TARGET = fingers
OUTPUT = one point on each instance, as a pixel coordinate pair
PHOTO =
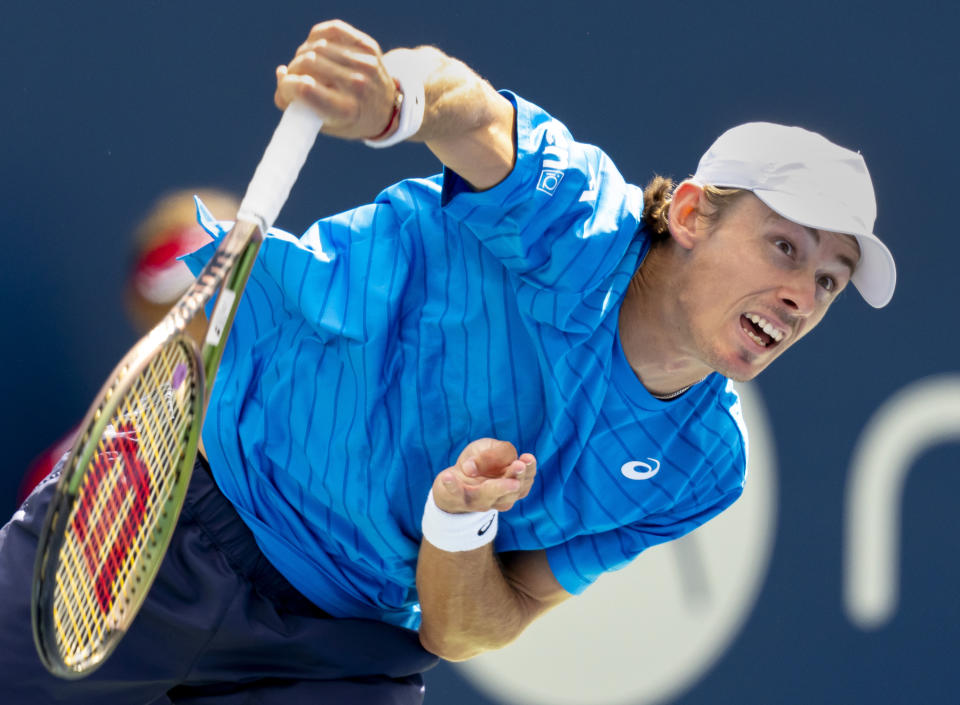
(523, 470)
(335, 65)
(350, 56)
(318, 89)
(489, 455)
(340, 31)
(281, 100)
(325, 69)
(464, 488)
(339, 71)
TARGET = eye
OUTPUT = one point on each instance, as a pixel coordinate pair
(827, 282)
(784, 246)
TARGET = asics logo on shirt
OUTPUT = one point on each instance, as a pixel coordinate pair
(639, 470)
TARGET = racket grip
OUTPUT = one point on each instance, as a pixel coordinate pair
(280, 165)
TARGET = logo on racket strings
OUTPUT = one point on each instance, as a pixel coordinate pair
(111, 512)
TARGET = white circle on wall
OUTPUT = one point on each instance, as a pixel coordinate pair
(642, 635)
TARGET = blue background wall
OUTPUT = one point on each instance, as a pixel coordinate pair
(108, 104)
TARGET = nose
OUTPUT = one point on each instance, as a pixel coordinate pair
(799, 294)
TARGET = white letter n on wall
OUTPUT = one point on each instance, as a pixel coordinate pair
(924, 414)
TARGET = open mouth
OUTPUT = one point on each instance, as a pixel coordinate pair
(760, 330)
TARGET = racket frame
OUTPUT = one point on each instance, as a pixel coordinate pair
(53, 536)
(227, 271)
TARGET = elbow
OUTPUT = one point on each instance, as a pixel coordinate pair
(451, 649)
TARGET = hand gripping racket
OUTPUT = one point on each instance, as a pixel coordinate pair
(121, 490)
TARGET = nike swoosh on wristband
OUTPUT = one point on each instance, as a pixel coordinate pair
(483, 529)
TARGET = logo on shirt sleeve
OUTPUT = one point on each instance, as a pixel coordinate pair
(555, 160)
(549, 180)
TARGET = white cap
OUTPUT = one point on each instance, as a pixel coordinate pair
(810, 181)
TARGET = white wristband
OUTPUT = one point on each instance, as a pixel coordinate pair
(411, 109)
(457, 532)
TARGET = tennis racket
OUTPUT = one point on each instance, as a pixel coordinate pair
(121, 490)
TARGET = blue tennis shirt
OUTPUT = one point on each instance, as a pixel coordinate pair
(368, 352)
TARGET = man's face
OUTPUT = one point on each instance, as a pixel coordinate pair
(758, 283)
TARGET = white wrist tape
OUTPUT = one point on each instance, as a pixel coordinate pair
(458, 532)
(411, 109)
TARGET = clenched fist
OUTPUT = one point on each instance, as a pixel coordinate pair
(339, 72)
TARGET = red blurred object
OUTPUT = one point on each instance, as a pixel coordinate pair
(41, 466)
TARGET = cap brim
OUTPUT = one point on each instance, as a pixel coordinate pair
(876, 275)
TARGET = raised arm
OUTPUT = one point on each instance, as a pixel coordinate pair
(343, 74)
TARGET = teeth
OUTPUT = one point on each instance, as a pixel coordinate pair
(766, 326)
(772, 332)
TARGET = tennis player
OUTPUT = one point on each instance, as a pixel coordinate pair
(443, 413)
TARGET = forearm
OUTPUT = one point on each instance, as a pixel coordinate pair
(472, 600)
(467, 124)
(468, 604)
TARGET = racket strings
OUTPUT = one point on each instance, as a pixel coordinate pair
(128, 480)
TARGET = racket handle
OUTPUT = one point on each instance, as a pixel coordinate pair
(280, 165)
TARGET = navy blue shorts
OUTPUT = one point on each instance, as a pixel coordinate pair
(220, 626)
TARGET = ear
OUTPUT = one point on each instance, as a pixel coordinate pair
(685, 226)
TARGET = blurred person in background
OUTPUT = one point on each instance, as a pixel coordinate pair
(155, 281)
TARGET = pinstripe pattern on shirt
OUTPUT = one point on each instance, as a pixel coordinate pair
(368, 352)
